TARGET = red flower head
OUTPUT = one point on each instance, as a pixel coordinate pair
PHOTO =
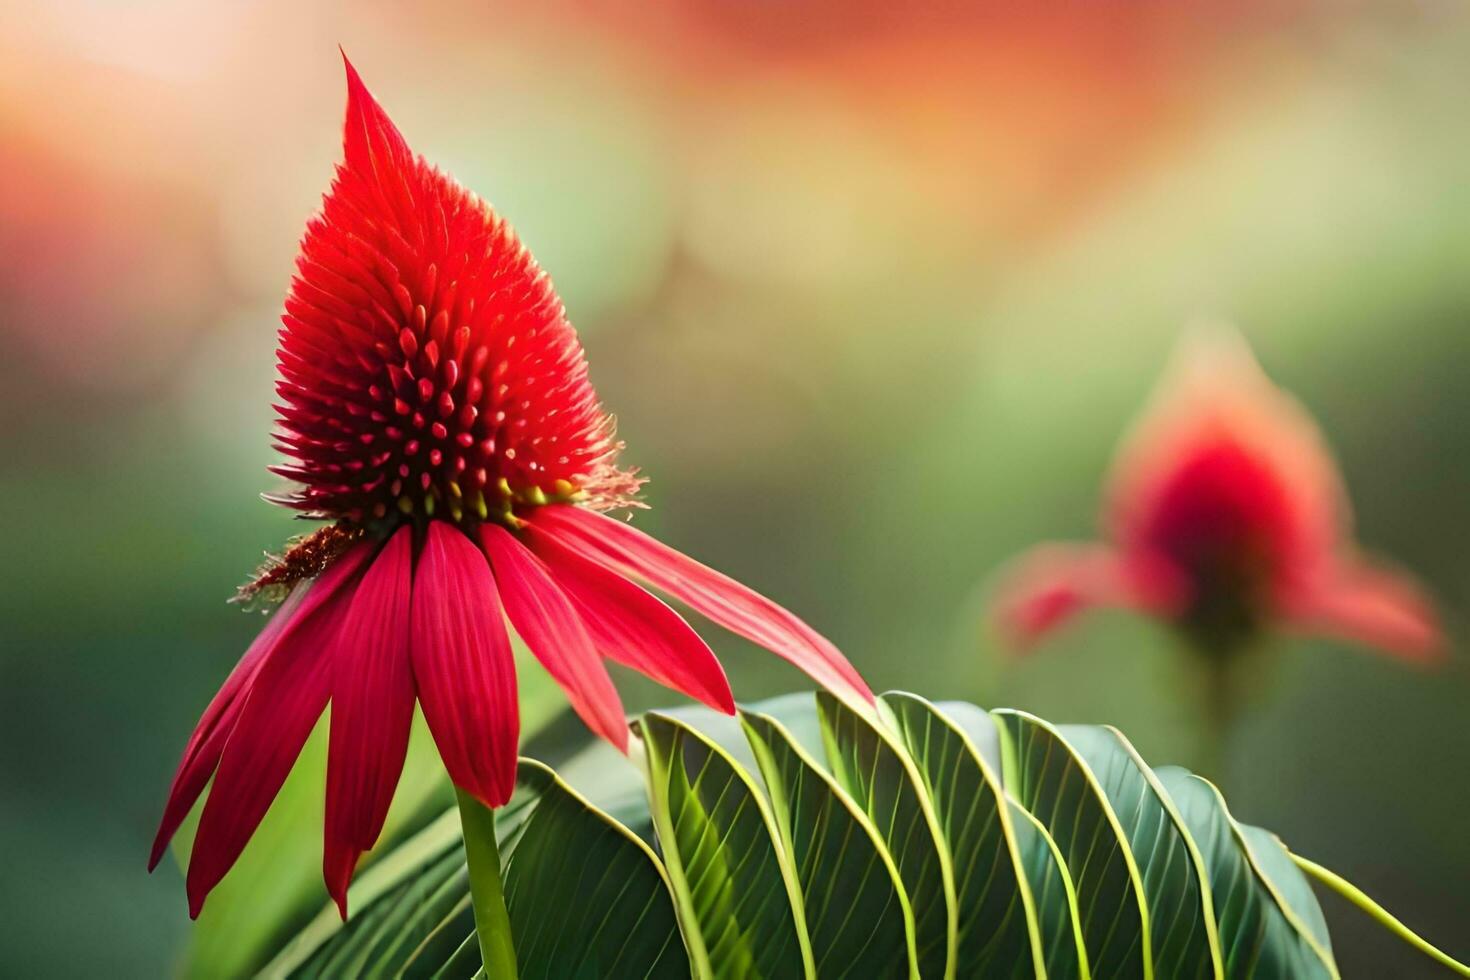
(1225, 515)
(436, 409)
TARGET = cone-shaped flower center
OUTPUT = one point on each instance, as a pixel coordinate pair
(428, 368)
(1225, 520)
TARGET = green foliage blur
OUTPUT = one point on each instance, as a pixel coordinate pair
(873, 296)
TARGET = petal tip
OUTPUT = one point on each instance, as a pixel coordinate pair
(354, 80)
(490, 787)
(359, 100)
(1375, 606)
(495, 795)
(160, 846)
(337, 867)
(623, 739)
(196, 904)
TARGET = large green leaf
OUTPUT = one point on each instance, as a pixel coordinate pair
(998, 932)
(375, 890)
(1056, 898)
(857, 913)
(1181, 920)
(1256, 936)
(1047, 777)
(729, 874)
(586, 896)
(1288, 885)
(868, 761)
(1052, 892)
(1045, 875)
(1068, 857)
(390, 934)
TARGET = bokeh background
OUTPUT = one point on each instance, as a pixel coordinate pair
(873, 289)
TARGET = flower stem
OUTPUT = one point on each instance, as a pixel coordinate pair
(1219, 712)
(482, 853)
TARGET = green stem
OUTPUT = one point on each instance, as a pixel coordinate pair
(1220, 709)
(1353, 894)
(482, 853)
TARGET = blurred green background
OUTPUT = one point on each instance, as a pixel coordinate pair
(872, 289)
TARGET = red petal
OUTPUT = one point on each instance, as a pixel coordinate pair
(372, 710)
(1374, 606)
(1055, 582)
(285, 698)
(462, 665)
(634, 627)
(543, 616)
(739, 609)
(201, 754)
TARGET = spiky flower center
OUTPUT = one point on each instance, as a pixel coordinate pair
(436, 427)
(427, 366)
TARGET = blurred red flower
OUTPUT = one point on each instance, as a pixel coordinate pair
(436, 406)
(1225, 516)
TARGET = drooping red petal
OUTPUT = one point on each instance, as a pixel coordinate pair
(1374, 606)
(1053, 583)
(634, 627)
(737, 608)
(201, 754)
(544, 618)
(372, 711)
(462, 665)
(286, 697)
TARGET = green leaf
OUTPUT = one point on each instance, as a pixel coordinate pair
(1055, 896)
(587, 897)
(1256, 936)
(869, 762)
(1082, 861)
(1049, 779)
(856, 912)
(998, 933)
(731, 880)
(380, 884)
(1181, 917)
(391, 931)
(1290, 887)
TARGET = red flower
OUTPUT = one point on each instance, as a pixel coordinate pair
(436, 407)
(1225, 515)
